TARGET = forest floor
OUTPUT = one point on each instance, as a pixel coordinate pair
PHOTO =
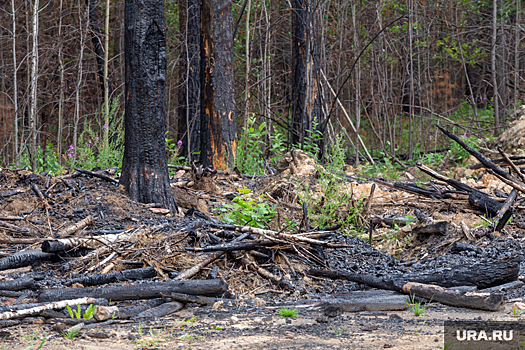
(252, 322)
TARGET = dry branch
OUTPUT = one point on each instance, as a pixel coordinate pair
(72, 229)
(34, 310)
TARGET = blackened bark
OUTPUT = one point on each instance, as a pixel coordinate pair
(191, 91)
(96, 39)
(305, 51)
(144, 166)
(219, 122)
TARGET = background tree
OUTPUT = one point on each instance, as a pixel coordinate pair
(144, 166)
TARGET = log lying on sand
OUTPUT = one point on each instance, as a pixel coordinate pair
(138, 291)
(125, 275)
(373, 300)
(454, 297)
(160, 311)
(22, 259)
(482, 274)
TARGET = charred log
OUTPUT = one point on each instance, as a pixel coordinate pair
(125, 275)
(482, 201)
(24, 258)
(161, 310)
(139, 291)
(482, 274)
(17, 284)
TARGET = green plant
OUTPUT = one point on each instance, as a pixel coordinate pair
(47, 160)
(71, 332)
(415, 306)
(99, 144)
(78, 313)
(173, 149)
(287, 312)
(457, 153)
(247, 211)
(43, 338)
(339, 331)
(250, 151)
(517, 312)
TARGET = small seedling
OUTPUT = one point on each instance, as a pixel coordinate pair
(70, 334)
(415, 306)
(517, 312)
(78, 313)
(339, 331)
(287, 312)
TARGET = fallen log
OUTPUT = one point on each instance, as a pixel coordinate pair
(24, 258)
(482, 201)
(506, 211)
(34, 310)
(125, 275)
(460, 247)
(452, 297)
(198, 299)
(504, 287)
(138, 291)
(482, 274)
(246, 245)
(454, 183)
(373, 300)
(17, 284)
(161, 310)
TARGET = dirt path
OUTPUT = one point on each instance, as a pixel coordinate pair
(260, 329)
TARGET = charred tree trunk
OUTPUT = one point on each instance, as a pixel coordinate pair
(96, 39)
(191, 91)
(218, 122)
(305, 51)
(145, 166)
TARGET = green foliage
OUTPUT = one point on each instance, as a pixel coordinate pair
(246, 211)
(336, 206)
(46, 161)
(287, 312)
(336, 155)
(517, 312)
(311, 140)
(78, 313)
(100, 144)
(415, 306)
(173, 149)
(71, 333)
(250, 151)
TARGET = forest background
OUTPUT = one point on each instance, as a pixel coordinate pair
(398, 68)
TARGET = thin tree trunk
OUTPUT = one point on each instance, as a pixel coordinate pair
(516, 56)
(79, 83)
(191, 92)
(247, 76)
(493, 65)
(33, 112)
(219, 121)
(144, 166)
(106, 81)
(61, 93)
(15, 82)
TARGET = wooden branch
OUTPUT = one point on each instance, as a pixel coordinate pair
(509, 182)
(511, 163)
(246, 245)
(185, 298)
(72, 229)
(454, 183)
(484, 202)
(505, 212)
(95, 174)
(195, 269)
(452, 297)
(23, 258)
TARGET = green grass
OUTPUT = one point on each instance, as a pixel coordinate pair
(415, 306)
(287, 312)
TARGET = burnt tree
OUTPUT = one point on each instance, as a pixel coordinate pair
(144, 166)
(306, 86)
(191, 91)
(219, 123)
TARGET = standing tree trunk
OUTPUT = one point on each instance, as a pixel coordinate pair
(96, 39)
(144, 166)
(33, 109)
(191, 92)
(219, 122)
(305, 50)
